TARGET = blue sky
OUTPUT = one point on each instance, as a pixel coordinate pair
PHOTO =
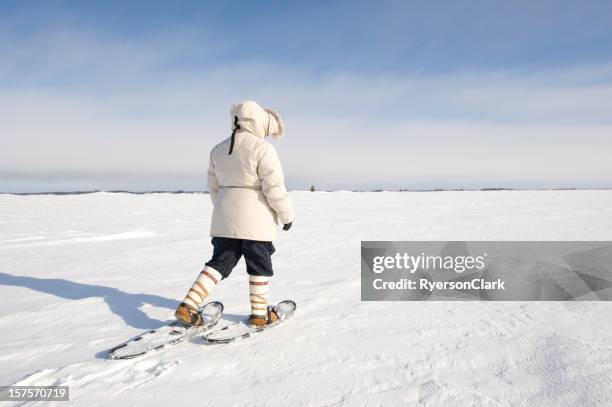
(132, 95)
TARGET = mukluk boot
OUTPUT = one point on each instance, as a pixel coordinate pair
(262, 320)
(259, 289)
(188, 311)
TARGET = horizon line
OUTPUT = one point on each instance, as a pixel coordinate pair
(181, 191)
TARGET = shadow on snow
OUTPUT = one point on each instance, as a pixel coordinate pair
(125, 305)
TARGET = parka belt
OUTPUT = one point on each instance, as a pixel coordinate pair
(244, 187)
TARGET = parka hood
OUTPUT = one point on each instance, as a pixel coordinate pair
(256, 120)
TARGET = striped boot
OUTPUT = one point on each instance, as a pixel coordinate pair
(187, 312)
(259, 289)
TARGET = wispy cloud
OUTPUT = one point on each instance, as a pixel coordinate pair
(78, 108)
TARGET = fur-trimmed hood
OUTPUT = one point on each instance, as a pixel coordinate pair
(256, 120)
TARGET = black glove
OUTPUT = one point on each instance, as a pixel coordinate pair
(287, 226)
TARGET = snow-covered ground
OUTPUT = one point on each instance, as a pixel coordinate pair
(79, 274)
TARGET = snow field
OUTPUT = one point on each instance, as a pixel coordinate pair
(82, 273)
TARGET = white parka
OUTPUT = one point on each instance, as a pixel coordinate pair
(245, 177)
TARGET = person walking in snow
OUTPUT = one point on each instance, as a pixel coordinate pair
(247, 189)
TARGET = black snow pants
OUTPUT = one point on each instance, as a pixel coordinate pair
(227, 252)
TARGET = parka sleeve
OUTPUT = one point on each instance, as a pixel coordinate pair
(272, 180)
(213, 182)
